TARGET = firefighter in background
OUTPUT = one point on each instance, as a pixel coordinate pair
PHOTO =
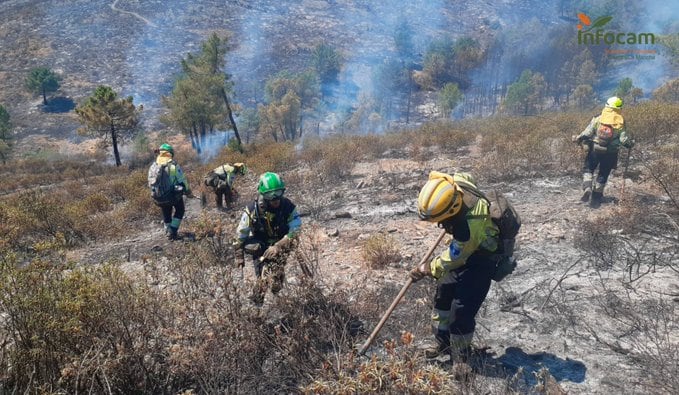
(177, 185)
(221, 181)
(602, 139)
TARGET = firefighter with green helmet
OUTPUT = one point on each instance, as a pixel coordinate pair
(464, 270)
(168, 185)
(602, 139)
(267, 231)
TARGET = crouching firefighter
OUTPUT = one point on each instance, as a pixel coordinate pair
(476, 255)
(221, 181)
(602, 139)
(267, 231)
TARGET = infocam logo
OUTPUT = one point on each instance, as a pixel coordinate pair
(592, 33)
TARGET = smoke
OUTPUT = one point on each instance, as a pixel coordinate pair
(271, 36)
(213, 144)
(361, 31)
(153, 58)
(537, 41)
(647, 65)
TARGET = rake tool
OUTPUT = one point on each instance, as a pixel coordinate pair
(398, 298)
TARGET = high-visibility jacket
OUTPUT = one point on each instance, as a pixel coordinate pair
(474, 231)
(613, 119)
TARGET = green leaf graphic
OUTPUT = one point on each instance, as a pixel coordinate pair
(601, 21)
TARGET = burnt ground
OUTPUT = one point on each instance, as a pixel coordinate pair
(532, 319)
(537, 317)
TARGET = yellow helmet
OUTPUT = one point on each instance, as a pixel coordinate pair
(240, 168)
(439, 199)
(614, 102)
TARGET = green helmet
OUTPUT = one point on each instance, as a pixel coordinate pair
(166, 147)
(271, 186)
(614, 102)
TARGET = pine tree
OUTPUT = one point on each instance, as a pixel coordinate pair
(524, 96)
(289, 96)
(105, 115)
(449, 97)
(327, 62)
(199, 103)
(42, 80)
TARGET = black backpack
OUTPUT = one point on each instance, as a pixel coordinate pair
(162, 190)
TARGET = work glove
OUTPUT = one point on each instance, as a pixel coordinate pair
(578, 139)
(271, 252)
(420, 272)
(280, 246)
(504, 267)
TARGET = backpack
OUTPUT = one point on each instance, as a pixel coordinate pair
(502, 213)
(211, 179)
(162, 190)
(508, 222)
(604, 135)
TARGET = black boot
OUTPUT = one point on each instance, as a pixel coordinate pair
(172, 234)
(597, 197)
(442, 346)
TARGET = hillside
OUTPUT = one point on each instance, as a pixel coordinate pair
(94, 298)
(136, 47)
(593, 289)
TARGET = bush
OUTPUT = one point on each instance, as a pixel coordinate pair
(81, 329)
(379, 251)
(400, 371)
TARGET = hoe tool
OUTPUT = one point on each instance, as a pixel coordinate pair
(398, 298)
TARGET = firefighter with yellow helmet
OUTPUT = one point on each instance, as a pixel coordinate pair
(602, 138)
(221, 180)
(464, 270)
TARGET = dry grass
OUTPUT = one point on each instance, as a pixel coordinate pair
(380, 250)
(183, 323)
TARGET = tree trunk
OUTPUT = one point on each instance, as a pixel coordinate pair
(410, 92)
(203, 132)
(196, 138)
(44, 96)
(231, 119)
(301, 123)
(114, 141)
